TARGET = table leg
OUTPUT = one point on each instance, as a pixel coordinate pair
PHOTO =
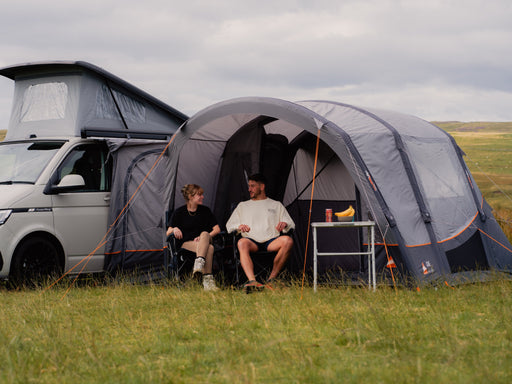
(315, 259)
(373, 257)
(369, 259)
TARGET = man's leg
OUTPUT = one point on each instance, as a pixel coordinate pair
(245, 247)
(283, 246)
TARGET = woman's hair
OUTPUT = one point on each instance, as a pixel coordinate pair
(190, 190)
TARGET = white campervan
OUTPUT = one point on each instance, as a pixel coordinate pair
(56, 167)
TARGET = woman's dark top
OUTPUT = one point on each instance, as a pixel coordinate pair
(192, 224)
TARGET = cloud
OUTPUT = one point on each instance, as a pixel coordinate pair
(441, 59)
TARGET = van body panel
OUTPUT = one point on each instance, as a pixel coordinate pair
(80, 220)
(12, 193)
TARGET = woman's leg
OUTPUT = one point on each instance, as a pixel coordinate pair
(205, 249)
(209, 260)
(202, 248)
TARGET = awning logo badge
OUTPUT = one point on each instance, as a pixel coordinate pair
(427, 267)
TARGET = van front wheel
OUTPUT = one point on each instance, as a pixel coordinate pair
(35, 260)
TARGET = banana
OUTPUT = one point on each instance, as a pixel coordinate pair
(347, 212)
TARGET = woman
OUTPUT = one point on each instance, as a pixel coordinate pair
(194, 225)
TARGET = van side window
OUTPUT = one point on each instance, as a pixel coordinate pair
(91, 161)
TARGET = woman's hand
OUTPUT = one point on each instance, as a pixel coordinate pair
(215, 231)
(175, 231)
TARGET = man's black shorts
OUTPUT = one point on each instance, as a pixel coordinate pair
(262, 247)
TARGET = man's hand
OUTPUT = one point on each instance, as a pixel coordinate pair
(244, 228)
(281, 226)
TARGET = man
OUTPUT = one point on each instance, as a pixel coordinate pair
(260, 221)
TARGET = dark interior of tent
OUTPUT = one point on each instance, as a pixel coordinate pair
(252, 149)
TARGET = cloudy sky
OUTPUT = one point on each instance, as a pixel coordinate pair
(437, 59)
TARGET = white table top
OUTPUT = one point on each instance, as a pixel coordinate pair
(343, 224)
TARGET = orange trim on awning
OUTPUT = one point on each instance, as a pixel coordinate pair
(449, 238)
(417, 245)
(466, 227)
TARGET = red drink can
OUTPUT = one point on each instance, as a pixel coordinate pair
(328, 215)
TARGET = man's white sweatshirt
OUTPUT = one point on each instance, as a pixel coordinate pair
(262, 216)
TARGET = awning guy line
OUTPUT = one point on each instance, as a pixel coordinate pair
(310, 210)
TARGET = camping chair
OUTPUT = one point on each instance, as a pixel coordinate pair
(180, 261)
(263, 261)
(176, 260)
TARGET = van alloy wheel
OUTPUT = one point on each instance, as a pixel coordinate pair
(35, 260)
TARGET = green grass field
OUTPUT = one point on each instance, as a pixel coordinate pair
(121, 333)
(163, 334)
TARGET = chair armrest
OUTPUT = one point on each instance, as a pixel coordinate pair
(171, 241)
(289, 233)
(171, 237)
(219, 240)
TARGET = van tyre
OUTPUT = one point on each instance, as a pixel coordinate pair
(35, 261)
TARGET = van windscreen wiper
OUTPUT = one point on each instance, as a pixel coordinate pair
(9, 182)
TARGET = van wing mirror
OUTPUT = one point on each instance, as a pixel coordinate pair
(67, 184)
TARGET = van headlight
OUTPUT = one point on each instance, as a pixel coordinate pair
(4, 215)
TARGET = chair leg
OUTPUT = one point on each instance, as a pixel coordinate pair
(236, 260)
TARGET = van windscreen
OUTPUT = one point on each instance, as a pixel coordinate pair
(23, 162)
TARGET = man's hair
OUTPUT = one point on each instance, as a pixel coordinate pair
(259, 178)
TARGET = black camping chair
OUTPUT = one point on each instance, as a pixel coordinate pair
(263, 261)
(180, 261)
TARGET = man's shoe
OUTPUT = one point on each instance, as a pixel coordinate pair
(209, 283)
(252, 286)
(270, 284)
(198, 267)
(273, 284)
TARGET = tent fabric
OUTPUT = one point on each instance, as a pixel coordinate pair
(135, 217)
(55, 99)
(403, 172)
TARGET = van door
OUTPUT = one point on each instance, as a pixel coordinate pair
(80, 216)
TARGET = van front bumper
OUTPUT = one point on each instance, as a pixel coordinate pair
(6, 244)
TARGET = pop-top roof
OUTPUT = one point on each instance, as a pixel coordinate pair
(76, 98)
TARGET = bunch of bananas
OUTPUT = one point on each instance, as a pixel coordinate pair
(347, 212)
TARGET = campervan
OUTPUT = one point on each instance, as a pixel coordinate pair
(57, 167)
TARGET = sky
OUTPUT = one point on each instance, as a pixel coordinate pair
(447, 60)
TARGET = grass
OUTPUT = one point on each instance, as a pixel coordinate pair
(2, 134)
(121, 333)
